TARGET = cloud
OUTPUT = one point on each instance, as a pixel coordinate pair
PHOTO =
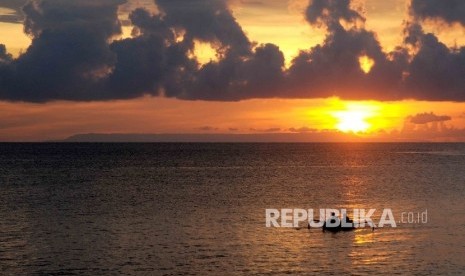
(450, 11)
(207, 128)
(5, 58)
(425, 118)
(333, 68)
(206, 20)
(331, 12)
(435, 72)
(16, 16)
(73, 56)
(69, 51)
(302, 129)
(268, 130)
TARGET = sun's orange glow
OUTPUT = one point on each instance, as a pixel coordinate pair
(355, 117)
(204, 52)
(352, 121)
(13, 37)
(366, 63)
(320, 117)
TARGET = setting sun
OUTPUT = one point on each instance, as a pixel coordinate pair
(352, 121)
(354, 118)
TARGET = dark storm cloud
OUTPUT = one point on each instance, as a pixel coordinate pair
(15, 5)
(425, 118)
(333, 68)
(436, 72)
(150, 62)
(156, 62)
(69, 50)
(450, 11)
(206, 20)
(73, 56)
(5, 58)
(236, 77)
(330, 12)
(242, 72)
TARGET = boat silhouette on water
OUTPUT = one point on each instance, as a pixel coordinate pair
(339, 227)
(334, 224)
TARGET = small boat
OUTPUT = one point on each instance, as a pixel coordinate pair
(339, 227)
(350, 225)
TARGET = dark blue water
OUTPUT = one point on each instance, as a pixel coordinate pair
(198, 209)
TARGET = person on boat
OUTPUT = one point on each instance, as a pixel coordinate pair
(346, 219)
(332, 222)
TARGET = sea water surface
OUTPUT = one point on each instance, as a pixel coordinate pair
(199, 209)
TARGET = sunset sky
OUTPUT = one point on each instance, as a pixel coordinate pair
(380, 70)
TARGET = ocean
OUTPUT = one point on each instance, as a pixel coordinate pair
(199, 209)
